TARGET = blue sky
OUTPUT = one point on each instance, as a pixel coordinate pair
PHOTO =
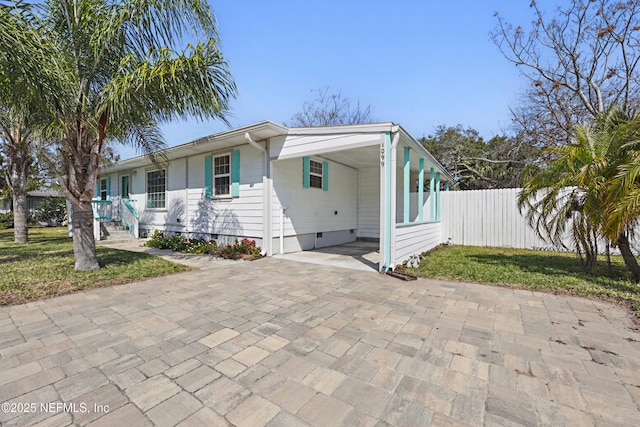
(420, 63)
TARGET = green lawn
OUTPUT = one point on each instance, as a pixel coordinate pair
(44, 267)
(527, 269)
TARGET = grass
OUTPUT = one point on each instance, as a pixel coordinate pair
(44, 267)
(556, 272)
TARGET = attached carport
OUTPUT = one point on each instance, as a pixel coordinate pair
(394, 190)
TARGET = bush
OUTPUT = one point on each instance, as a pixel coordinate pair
(51, 210)
(158, 240)
(6, 220)
(237, 250)
(182, 244)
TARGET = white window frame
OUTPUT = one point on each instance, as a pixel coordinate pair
(146, 183)
(103, 193)
(222, 175)
(316, 174)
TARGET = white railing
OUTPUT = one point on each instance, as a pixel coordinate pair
(103, 208)
(130, 218)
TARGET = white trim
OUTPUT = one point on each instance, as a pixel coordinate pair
(106, 189)
(213, 176)
(318, 175)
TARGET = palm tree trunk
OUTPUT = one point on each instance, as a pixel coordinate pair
(627, 255)
(20, 216)
(17, 176)
(84, 245)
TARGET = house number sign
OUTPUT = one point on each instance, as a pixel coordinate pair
(381, 155)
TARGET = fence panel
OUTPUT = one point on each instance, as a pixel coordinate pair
(486, 218)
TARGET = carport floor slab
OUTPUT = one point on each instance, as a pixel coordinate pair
(361, 256)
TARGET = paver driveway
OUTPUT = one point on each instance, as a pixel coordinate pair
(276, 342)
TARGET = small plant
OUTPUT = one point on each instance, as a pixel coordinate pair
(158, 240)
(244, 249)
(199, 246)
(182, 244)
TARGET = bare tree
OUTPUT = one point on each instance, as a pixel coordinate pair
(581, 61)
(330, 109)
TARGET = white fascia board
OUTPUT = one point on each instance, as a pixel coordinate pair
(346, 129)
(226, 139)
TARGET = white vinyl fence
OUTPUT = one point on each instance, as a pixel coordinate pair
(486, 218)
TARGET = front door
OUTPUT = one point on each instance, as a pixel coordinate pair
(124, 188)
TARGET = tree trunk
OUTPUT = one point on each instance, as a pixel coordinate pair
(627, 255)
(20, 217)
(84, 245)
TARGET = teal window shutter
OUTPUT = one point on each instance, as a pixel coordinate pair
(108, 188)
(306, 164)
(325, 176)
(208, 177)
(235, 173)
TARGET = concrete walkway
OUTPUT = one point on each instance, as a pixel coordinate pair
(281, 343)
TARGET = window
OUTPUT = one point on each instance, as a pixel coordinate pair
(222, 175)
(104, 193)
(315, 174)
(156, 189)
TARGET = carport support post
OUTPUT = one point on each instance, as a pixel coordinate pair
(421, 190)
(437, 196)
(387, 198)
(407, 182)
(432, 195)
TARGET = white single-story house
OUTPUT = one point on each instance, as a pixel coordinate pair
(290, 189)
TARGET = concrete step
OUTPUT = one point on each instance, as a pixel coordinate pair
(115, 231)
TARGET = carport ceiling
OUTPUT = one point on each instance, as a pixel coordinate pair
(364, 157)
(367, 157)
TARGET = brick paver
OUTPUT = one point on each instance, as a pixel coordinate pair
(275, 342)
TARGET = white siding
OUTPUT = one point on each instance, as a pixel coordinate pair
(415, 239)
(312, 210)
(188, 211)
(369, 202)
(241, 216)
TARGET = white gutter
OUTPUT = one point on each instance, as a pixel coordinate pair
(247, 136)
(267, 241)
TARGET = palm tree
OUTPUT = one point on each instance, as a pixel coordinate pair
(116, 70)
(561, 197)
(20, 111)
(587, 187)
(17, 151)
(622, 214)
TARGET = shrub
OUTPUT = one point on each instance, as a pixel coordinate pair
(244, 247)
(159, 240)
(199, 246)
(52, 209)
(182, 244)
(6, 220)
